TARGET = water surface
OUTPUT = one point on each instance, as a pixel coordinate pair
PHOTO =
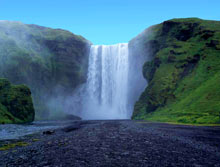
(15, 131)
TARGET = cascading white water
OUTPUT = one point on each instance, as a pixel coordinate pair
(107, 82)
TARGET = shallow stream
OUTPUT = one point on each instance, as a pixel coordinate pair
(15, 131)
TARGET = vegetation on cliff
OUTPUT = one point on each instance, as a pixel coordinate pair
(15, 103)
(52, 62)
(184, 73)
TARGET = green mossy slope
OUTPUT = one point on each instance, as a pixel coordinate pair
(184, 74)
(15, 103)
(52, 62)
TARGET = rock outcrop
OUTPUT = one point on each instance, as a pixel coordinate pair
(183, 74)
(15, 103)
(52, 62)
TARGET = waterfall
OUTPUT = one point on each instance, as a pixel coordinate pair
(114, 82)
(107, 82)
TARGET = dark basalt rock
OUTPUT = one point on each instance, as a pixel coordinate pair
(73, 127)
(152, 47)
(72, 117)
(206, 34)
(185, 34)
(171, 59)
(213, 43)
(149, 68)
(167, 26)
(190, 65)
(181, 31)
(49, 132)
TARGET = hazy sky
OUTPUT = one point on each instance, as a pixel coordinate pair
(105, 21)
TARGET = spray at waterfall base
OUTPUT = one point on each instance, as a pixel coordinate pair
(114, 83)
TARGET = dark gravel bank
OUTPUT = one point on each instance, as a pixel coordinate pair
(118, 143)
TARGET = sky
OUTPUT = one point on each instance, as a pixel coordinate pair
(105, 21)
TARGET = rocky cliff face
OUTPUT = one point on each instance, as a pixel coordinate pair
(15, 103)
(52, 62)
(184, 73)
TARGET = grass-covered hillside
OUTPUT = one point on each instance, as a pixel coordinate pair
(184, 74)
(52, 62)
(15, 103)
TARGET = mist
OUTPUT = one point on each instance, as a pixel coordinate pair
(112, 83)
(52, 63)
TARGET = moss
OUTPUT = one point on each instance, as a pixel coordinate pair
(15, 103)
(35, 140)
(183, 75)
(13, 145)
(49, 61)
(175, 123)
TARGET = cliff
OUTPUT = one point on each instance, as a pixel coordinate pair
(183, 72)
(52, 62)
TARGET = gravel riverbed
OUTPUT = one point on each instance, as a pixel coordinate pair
(116, 143)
